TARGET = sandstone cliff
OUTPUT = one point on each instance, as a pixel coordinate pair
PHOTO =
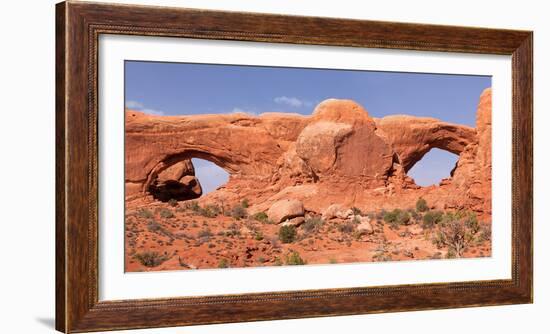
(339, 154)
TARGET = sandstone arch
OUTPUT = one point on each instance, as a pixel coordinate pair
(242, 144)
(412, 137)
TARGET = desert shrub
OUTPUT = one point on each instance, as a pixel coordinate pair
(347, 227)
(422, 205)
(397, 217)
(173, 202)
(403, 218)
(451, 254)
(204, 233)
(287, 234)
(232, 232)
(294, 259)
(432, 218)
(258, 236)
(151, 259)
(261, 259)
(238, 212)
(153, 226)
(261, 217)
(312, 224)
(144, 213)
(484, 233)
(454, 233)
(332, 261)
(391, 216)
(415, 215)
(166, 213)
(192, 205)
(277, 262)
(223, 263)
(245, 204)
(472, 223)
(210, 210)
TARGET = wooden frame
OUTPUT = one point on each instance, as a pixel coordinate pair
(78, 25)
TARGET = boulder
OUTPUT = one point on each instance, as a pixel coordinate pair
(296, 221)
(333, 211)
(364, 226)
(336, 211)
(285, 209)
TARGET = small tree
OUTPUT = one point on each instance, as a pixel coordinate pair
(454, 233)
(422, 205)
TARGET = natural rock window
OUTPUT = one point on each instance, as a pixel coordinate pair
(434, 166)
(210, 175)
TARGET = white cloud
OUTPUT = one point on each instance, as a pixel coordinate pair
(141, 107)
(134, 105)
(153, 112)
(292, 101)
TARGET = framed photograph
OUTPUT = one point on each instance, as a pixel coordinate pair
(223, 166)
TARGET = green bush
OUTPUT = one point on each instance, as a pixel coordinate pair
(261, 217)
(258, 236)
(173, 202)
(422, 205)
(287, 234)
(294, 259)
(432, 218)
(166, 213)
(397, 217)
(151, 259)
(245, 204)
(223, 263)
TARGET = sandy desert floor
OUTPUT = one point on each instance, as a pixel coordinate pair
(184, 235)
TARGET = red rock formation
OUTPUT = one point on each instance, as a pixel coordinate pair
(339, 154)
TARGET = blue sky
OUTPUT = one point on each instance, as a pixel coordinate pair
(188, 89)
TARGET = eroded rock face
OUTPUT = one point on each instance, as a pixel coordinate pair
(339, 154)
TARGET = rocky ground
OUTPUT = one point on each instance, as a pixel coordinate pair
(187, 235)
